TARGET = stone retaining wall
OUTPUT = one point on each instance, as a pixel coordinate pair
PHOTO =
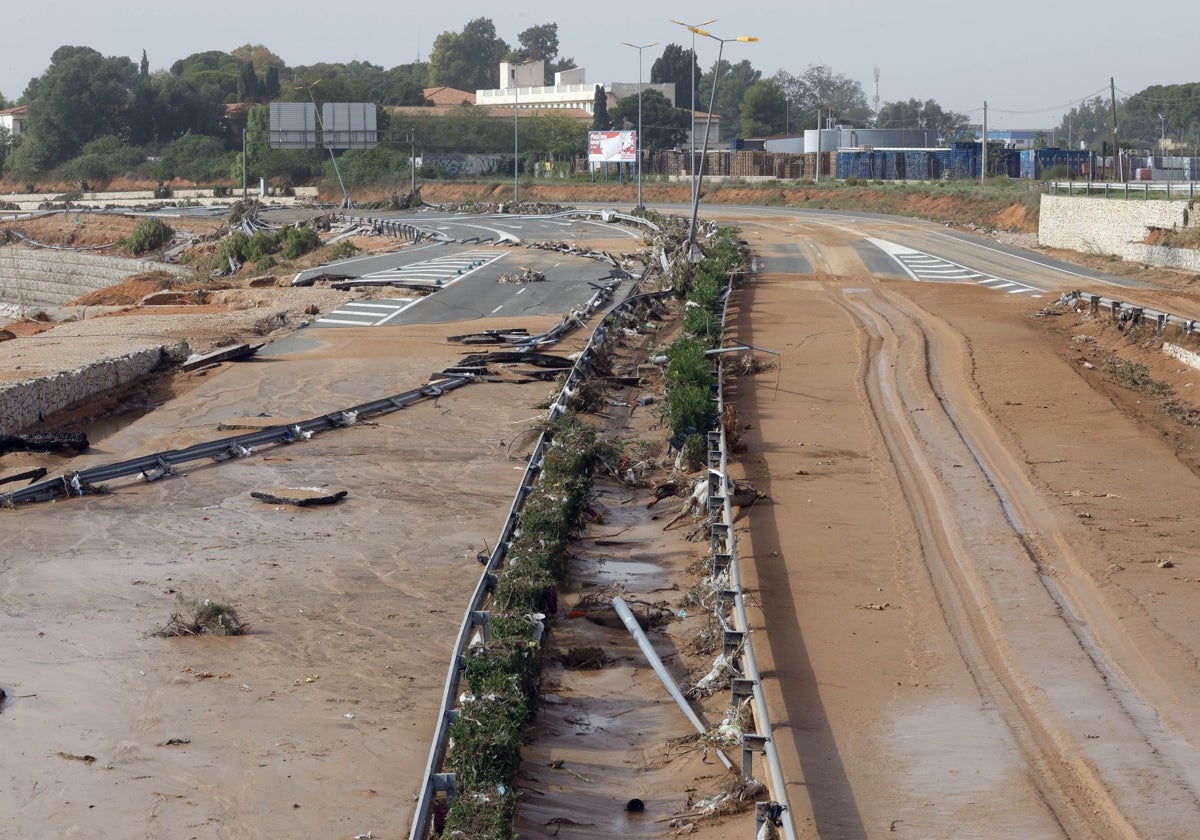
(24, 403)
(35, 277)
(1116, 227)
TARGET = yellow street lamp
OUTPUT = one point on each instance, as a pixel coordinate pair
(693, 28)
(708, 124)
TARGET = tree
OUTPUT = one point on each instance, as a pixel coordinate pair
(81, 96)
(679, 66)
(1145, 117)
(540, 43)
(144, 67)
(262, 60)
(818, 90)
(764, 109)
(559, 136)
(601, 121)
(247, 83)
(468, 60)
(1089, 124)
(733, 80)
(945, 126)
(663, 125)
(408, 84)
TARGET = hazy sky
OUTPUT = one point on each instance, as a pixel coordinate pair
(1030, 60)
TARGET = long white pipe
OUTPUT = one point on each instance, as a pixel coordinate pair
(656, 663)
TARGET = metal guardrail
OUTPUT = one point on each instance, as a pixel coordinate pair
(738, 638)
(1125, 312)
(1127, 189)
(477, 616)
(163, 463)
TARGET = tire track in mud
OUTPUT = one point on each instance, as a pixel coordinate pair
(1098, 760)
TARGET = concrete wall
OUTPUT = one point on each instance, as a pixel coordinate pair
(24, 403)
(34, 277)
(1116, 227)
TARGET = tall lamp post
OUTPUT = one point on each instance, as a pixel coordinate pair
(641, 206)
(693, 28)
(332, 157)
(1162, 143)
(516, 107)
(708, 123)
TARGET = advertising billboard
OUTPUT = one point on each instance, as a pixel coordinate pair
(612, 146)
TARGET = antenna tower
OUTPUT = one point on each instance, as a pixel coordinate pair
(875, 95)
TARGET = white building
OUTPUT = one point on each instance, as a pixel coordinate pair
(13, 119)
(521, 87)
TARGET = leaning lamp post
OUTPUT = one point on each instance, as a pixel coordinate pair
(638, 146)
(691, 241)
(693, 28)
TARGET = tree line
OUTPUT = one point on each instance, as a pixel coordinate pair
(93, 117)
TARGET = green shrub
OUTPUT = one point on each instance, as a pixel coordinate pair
(149, 235)
(297, 242)
(344, 250)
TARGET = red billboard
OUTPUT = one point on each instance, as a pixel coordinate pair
(612, 146)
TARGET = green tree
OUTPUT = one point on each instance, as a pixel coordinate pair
(408, 84)
(540, 43)
(467, 60)
(195, 158)
(81, 96)
(247, 83)
(763, 109)
(262, 60)
(679, 66)
(733, 80)
(102, 159)
(144, 67)
(819, 90)
(663, 125)
(557, 135)
(601, 121)
(945, 126)
(1145, 117)
(1089, 124)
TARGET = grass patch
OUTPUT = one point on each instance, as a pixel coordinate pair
(1136, 377)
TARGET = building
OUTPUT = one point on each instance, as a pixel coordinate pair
(13, 119)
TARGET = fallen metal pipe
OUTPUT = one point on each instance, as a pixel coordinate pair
(652, 657)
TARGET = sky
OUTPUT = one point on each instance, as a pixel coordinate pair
(1030, 62)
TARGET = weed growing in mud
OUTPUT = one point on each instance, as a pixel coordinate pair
(1135, 376)
(197, 618)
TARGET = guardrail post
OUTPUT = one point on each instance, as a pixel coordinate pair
(1094, 309)
(731, 641)
(740, 689)
(720, 564)
(720, 536)
(1138, 314)
(1115, 310)
(1162, 324)
(750, 745)
(482, 619)
(766, 813)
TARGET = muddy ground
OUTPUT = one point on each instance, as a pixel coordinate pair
(915, 692)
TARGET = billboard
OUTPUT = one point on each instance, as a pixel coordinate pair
(349, 125)
(612, 146)
(293, 125)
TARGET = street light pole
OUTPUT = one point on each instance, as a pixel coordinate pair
(693, 28)
(1162, 143)
(691, 240)
(516, 107)
(640, 206)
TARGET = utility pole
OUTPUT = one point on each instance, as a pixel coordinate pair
(243, 164)
(1112, 93)
(983, 148)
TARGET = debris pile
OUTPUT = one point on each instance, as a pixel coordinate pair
(525, 275)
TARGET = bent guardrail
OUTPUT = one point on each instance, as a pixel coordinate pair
(164, 463)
